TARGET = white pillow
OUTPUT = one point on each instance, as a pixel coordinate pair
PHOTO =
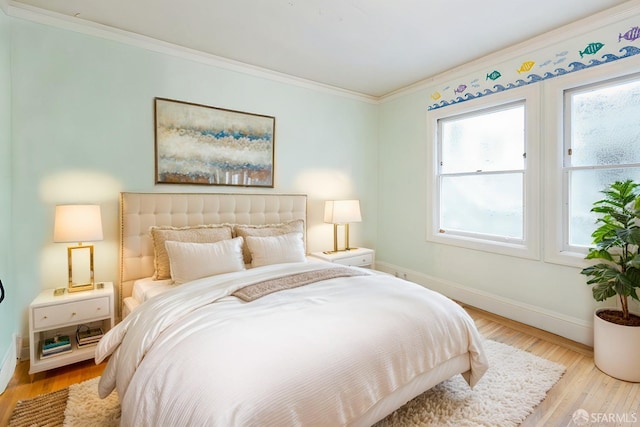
(276, 249)
(195, 234)
(190, 261)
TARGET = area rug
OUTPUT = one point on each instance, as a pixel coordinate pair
(516, 382)
(75, 406)
(514, 385)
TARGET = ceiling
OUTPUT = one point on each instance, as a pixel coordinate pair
(371, 47)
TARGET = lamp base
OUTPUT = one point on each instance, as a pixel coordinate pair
(335, 240)
(85, 277)
(338, 251)
(80, 287)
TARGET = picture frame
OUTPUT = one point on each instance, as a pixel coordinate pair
(201, 144)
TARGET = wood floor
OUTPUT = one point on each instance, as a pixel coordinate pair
(609, 401)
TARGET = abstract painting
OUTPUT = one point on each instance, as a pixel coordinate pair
(198, 144)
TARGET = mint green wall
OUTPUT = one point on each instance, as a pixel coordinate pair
(527, 290)
(8, 321)
(83, 131)
(403, 196)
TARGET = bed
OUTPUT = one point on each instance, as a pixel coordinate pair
(265, 335)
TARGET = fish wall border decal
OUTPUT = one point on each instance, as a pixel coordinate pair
(598, 46)
(462, 96)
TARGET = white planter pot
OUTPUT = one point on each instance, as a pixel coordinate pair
(616, 348)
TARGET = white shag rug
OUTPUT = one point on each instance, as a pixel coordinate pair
(514, 385)
(516, 382)
(85, 408)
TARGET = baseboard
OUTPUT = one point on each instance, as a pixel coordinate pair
(560, 324)
(8, 366)
(23, 349)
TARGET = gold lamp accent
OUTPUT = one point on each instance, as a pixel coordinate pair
(343, 212)
(78, 223)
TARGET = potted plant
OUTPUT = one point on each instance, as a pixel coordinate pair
(616, 339)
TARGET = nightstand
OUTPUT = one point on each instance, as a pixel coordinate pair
(359, 257)
(51, 315)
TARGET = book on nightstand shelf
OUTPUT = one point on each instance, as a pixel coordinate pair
(86, 336)
(56, 342)
(57, 352)
(60, 344)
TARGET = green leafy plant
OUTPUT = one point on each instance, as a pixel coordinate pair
(617, 241)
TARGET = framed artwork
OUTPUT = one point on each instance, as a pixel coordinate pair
(198, 144)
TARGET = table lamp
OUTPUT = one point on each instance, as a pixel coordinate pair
(78, 223)
(343, 212)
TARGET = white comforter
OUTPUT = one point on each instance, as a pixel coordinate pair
(320, 354)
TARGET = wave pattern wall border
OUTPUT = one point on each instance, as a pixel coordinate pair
(544, 64)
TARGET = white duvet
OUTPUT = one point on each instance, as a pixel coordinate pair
(320, 354)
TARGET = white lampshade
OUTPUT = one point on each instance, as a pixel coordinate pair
(342, 211)
(77, 223)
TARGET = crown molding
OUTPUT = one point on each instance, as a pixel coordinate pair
(574, 29)
(58, 20)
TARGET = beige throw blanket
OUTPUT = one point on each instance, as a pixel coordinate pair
(266, 287)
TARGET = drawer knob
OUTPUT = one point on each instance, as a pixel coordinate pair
(45, 317)
(73, 314)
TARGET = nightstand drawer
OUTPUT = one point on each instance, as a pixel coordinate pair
(358, 260)
(71, 312)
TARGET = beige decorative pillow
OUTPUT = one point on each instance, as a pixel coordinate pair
(193, 234)
(276, 249)
(191, 261)
(295, 226)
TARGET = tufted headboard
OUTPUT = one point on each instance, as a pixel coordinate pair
(139, 211)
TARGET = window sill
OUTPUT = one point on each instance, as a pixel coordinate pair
(502, 248)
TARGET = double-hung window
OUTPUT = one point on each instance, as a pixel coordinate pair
(593, 131)
(483, 179)
(601, 145)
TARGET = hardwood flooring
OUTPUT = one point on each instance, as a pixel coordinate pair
(609, 402)
(21, 387)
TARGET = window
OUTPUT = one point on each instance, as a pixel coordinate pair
(601, 145)
(481, 173)
(593, 136)
(483, 180)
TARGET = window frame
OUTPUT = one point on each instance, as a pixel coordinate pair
(557, 248)
(529, 246)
